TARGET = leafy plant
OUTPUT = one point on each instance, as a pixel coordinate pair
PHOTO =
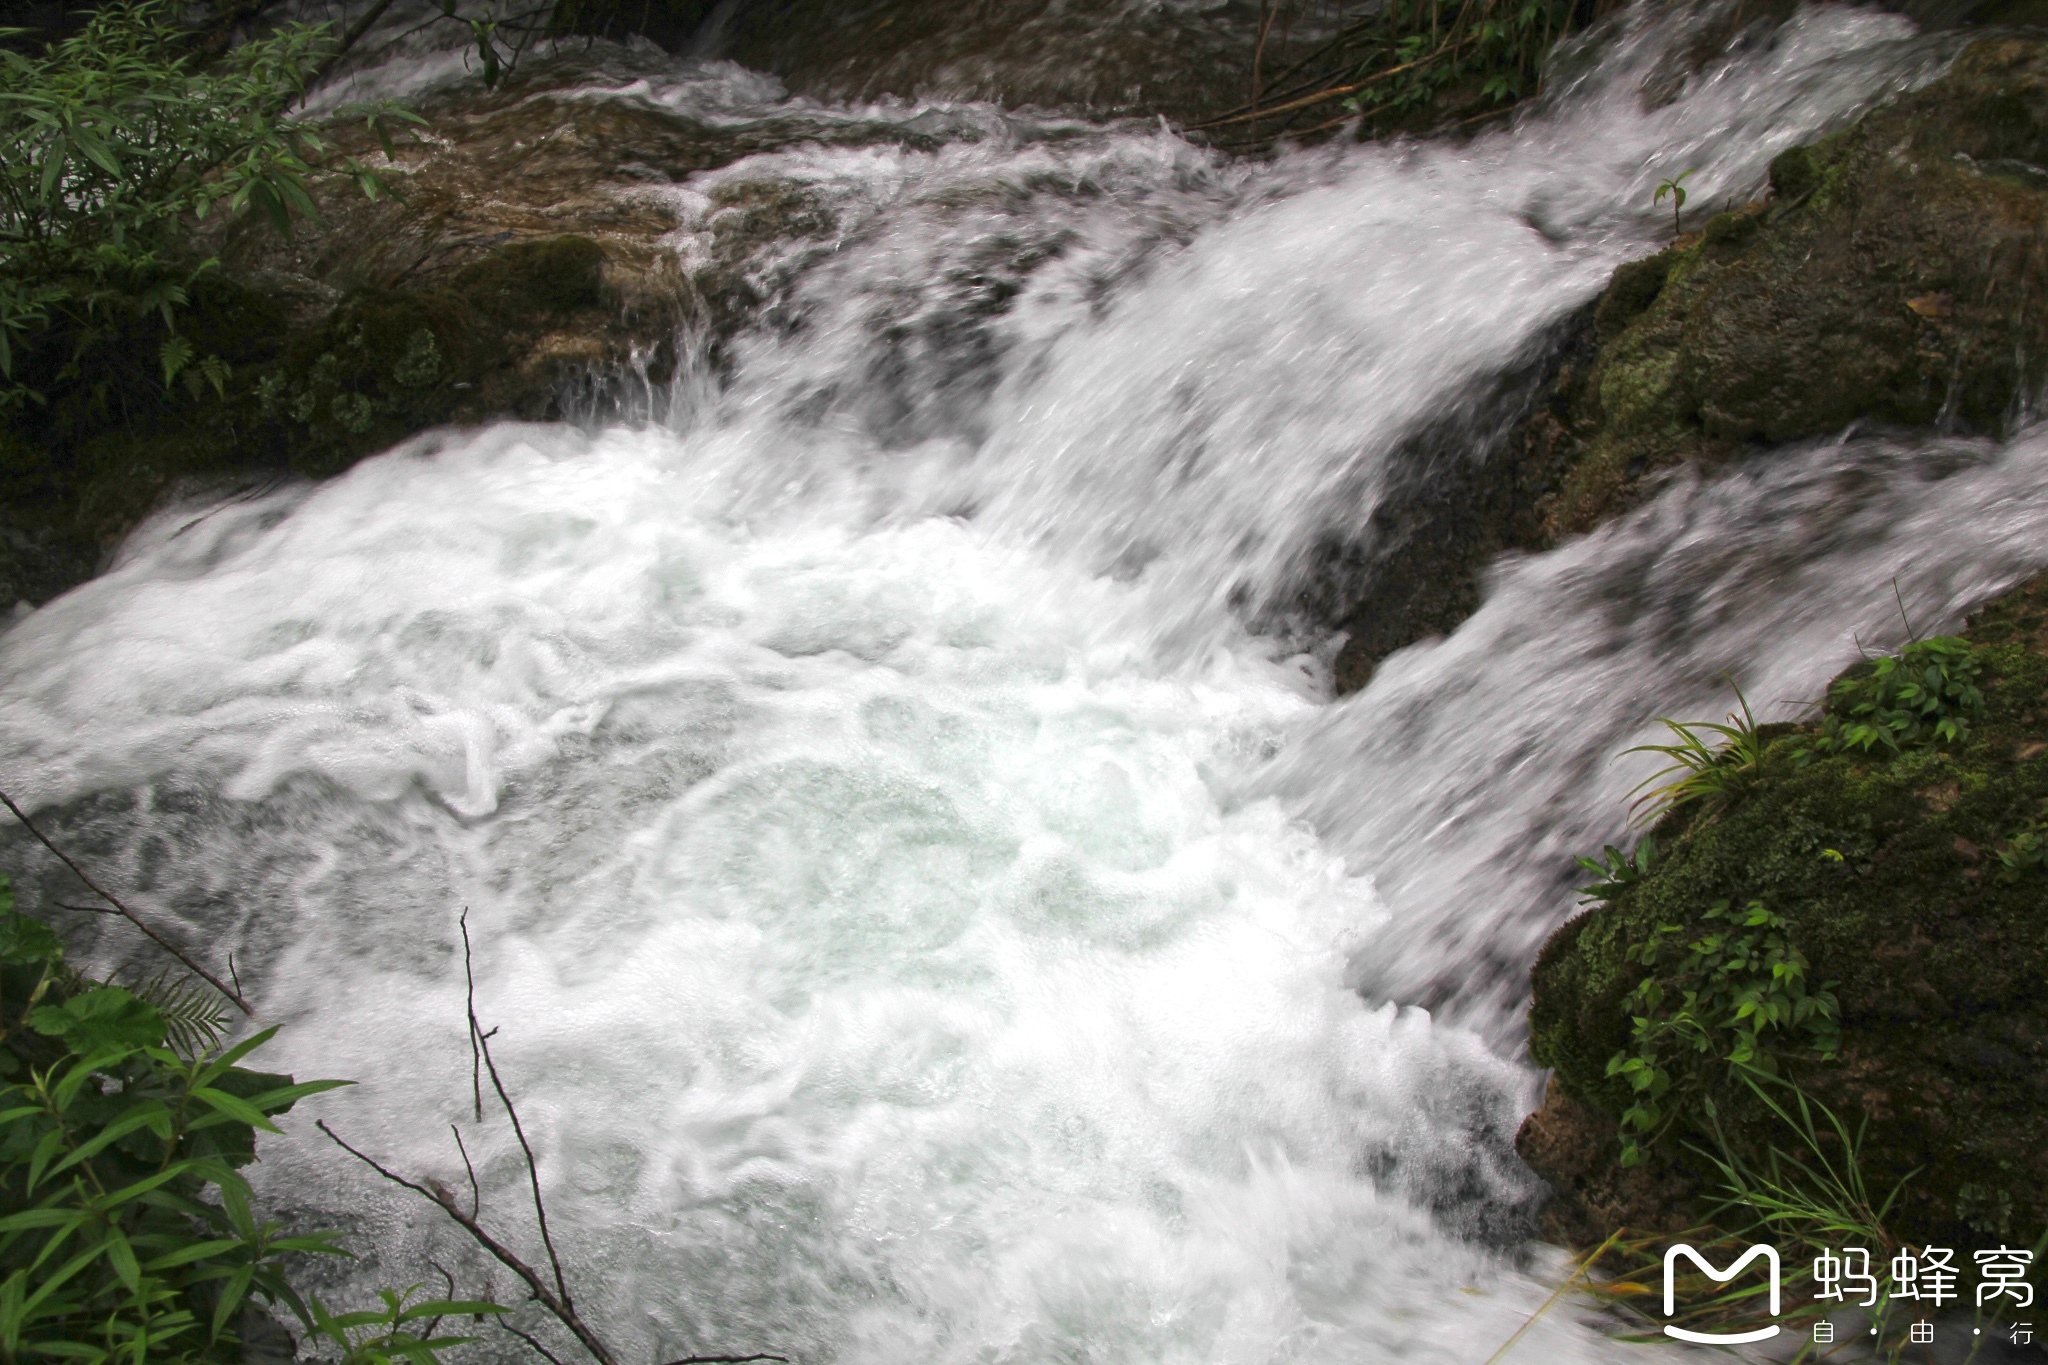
(1427, 45)
(1926, 694)
(371, 1337)
(1406, 55)
(2024, 854)
(1817, 1197)
(1617, 870)
(113, 141)
(1808, 1201)
(1735, 995)
(1713, 773)
(1675, 187)
(127, 1232)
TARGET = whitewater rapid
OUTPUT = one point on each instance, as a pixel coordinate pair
(922, 919)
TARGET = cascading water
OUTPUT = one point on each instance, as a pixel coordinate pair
(922, 921)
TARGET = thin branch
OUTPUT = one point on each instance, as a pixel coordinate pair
(1267, 13)
(86, 909)
(1337, 40)
(434, 1323)
(126, 913)
(1333, 91)
(724, 1360)
(348, 40)
(482, 1042)
(476, 1065)
(540, 1208)
(475, 1198)
(508, 1258)
(553, 1359)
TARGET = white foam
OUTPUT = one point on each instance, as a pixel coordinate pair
(905, 941)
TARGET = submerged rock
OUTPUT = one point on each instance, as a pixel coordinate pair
(1887, 870)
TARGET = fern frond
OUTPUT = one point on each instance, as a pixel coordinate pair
(194, 1017)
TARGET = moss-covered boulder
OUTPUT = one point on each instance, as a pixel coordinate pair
(1906, 879)
(1893, 276)
(270, 390)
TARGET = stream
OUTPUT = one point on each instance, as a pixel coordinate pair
(931, 905)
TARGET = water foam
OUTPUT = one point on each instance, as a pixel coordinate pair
(922, 921)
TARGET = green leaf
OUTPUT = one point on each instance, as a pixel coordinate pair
(284, 1097)
(448, 1308)
(231, 1109)
(190, 1252)
(231, 1296)
(106, 1018)
(234, 1055)
(148, 1114)
(24, 940)
(122, 1257)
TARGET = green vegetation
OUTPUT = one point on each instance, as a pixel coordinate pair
(1414, 51)
(1873, 284)
(1676, 189)
(131, 363)
(1926, 694)
(1865, 918)
(126, 1229)
(1734, 996)
(112, 143)
(1411, 64)
(1712, 774)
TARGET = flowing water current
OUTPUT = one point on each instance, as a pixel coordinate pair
(923, 921)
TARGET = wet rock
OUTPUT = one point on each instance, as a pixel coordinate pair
(1884, 868)
(521, 260)
(1885, 280)
(1184, 60)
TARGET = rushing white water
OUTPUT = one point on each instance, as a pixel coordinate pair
(921, 921)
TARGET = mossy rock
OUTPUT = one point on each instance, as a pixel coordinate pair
(1884, 869)
(495, 338)
(1887, 279)
(388, 362)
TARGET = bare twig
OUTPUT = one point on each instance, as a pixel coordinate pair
(434, 1323)
(1334, 91)
(540, 1208)
(475, 1197)
(87, 909)
(556, 1300)
(348, 40)
(476, 1081)
(508, 1258)
(480, 1041)
(1267, 12)
(208, 977)
(551, 1357)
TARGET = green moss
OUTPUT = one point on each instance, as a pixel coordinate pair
(1884, 870)
(1883, 281)
(77, 472)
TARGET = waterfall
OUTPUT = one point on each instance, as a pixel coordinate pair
(923, 917)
